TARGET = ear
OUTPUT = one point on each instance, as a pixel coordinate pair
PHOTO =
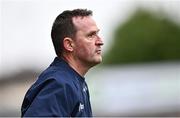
(68, 44)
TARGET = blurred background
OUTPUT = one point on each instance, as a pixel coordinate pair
(140, 73)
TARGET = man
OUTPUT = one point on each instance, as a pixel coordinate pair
(61, 90)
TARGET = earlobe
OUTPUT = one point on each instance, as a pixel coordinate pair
(68, 44)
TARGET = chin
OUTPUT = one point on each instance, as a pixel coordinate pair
(99, 60)
(95, 61)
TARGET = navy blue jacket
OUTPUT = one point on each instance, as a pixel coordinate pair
(58, 92)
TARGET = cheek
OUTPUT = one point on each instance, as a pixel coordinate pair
(86, 50)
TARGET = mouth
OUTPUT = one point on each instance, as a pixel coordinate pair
(98, 51)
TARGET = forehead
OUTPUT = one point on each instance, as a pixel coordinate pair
(84, 23)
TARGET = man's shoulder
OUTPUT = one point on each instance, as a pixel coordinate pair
(56, 73)
(58, 76)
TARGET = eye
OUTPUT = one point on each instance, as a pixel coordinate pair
(92, 34)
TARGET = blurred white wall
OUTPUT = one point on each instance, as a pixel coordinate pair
(135, 90)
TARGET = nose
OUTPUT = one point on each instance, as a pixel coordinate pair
(99, 41)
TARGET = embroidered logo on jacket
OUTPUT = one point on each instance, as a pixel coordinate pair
(81, 107)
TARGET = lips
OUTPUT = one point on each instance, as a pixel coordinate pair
(98, 51)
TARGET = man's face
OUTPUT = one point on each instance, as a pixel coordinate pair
(87, 43)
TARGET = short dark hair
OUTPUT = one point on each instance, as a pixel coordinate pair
(63, 27)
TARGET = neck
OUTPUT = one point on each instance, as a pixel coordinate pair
(76, 65)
